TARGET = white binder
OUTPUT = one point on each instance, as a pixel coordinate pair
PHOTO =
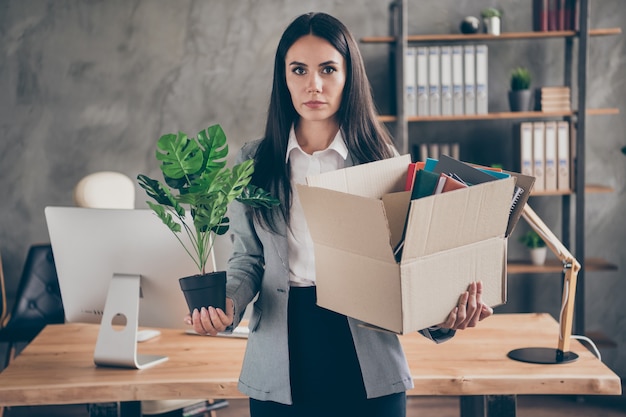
(422, 81)
(539, 155)
(469, 79)
(446, 80)
(457, 80)
(482, 97)
(563, 154)
(550, 156)
(434, 93)
(410, 81)
(526, 148)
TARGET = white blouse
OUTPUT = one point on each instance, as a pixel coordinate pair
(301, 254)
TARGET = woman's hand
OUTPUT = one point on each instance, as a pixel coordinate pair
(211, 320)
(469, 310)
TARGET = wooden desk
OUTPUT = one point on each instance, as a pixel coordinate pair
(57, 368)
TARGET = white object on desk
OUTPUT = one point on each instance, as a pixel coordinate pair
(147, 334)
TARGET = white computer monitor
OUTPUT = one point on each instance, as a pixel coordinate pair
(117, 264)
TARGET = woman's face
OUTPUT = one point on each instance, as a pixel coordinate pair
(316, 76)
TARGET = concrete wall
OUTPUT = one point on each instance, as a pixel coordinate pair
(90, 85)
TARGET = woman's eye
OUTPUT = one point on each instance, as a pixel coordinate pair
(298, 71)
(328, 70)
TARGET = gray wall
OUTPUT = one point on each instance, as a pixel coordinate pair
(90, 85)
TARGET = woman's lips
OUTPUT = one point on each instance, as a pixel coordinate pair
(314, 104)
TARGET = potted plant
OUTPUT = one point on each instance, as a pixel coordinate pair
(491, 20)
(194, 199)
(536, 245)
(520, 94)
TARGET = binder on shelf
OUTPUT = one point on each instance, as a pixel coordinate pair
(482, 96)
(526, 148)
(434, 93)
(457, 80)
(446, 80)
(455, 150)
(469, 79)
(540, 15)
(410, 81)
(539, 155)
(560, 14)
(563, 154)
(553, 20)
(433, 150)
(444, 149)
(550, 156)
(422, 81)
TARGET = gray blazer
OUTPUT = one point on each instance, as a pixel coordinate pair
(259, 265)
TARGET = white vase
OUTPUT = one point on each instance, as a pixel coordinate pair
(538, 255)
(492, 25)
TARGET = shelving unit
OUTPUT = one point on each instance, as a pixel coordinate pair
(398, 42)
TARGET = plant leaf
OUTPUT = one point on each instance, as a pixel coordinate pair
(257, 197)
(165, 217)
(160, 194)
(213, 141)
(181, 158)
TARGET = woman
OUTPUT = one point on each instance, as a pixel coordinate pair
(303, 360)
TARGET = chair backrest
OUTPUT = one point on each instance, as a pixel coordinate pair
(105, 189)
(3, 296)
(38, 299)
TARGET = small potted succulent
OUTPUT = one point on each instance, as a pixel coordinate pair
(194, 199)
(491, 20)
(536, 245)
(520, 94)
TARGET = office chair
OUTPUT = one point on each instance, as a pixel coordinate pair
(38, 302)
(3, 296)
(108, 189)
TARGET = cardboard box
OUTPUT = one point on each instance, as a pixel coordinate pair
(356, 217)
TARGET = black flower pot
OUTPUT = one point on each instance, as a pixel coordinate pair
(205, 290)
(520, 100)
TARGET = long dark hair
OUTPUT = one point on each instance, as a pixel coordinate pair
(366, 138)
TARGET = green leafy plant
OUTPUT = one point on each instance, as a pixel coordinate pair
(198, 184)
(490, 12)
(532, 240)
(520, 79)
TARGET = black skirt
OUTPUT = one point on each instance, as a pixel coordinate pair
(326, 378)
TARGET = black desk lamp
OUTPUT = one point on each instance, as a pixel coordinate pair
(571, 266)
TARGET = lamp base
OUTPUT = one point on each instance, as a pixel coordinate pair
(541, 355)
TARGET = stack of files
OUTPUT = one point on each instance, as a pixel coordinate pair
(446, 80)
(543, 150)
(550, 15)
(448, 174)
(551, 99)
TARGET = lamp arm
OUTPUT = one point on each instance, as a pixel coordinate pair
(570, 269)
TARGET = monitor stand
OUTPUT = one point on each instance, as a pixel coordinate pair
(117, 344)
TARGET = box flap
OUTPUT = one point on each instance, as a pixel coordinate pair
(457, 218)
(354, 223)
(367, 180)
